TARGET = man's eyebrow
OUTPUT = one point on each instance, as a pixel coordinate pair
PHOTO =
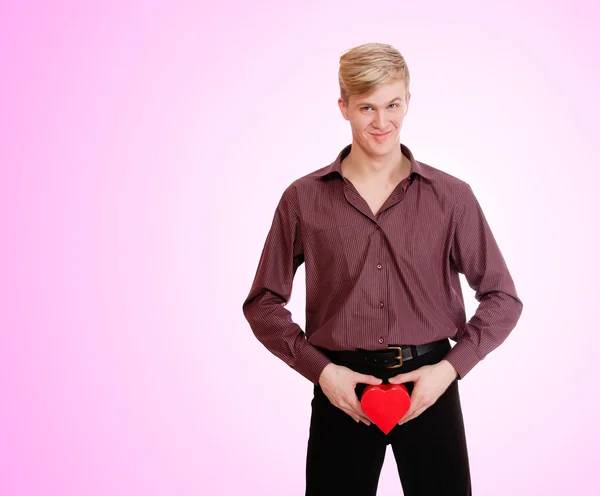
(360, 104)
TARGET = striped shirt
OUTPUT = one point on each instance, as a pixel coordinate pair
(385, 279)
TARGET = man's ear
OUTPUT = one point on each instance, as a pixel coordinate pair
(343, 108)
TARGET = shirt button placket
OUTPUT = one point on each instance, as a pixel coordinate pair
(381, 305)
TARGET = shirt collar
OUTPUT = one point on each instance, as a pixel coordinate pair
(415, 166)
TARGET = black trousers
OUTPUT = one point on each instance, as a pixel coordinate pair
(345, 457)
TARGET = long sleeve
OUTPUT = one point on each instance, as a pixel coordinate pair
(264, 308)
(475, 253)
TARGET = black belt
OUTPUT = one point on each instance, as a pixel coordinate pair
(391, 358)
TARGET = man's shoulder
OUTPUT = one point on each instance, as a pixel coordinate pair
(454, 190)
(309, 180)
(314, 175)
(442, 179)
(298, 188)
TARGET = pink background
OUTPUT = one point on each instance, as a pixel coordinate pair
(143, 151)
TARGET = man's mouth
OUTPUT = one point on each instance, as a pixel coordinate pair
(380, 136)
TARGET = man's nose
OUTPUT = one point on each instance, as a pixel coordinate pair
(380, 120)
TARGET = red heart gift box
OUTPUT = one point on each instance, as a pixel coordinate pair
(385, 404)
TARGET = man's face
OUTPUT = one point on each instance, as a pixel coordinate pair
(376, 118)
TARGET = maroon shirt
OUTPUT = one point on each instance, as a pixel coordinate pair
(385, 279)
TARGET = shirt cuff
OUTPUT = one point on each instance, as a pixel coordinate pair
(462, 357)
(311, 363)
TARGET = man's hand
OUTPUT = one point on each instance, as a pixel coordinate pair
(338, 383)
(430, 383)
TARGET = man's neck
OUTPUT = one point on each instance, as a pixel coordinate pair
(367, 168)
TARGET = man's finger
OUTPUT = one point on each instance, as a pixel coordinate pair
(358, 408)
(414, 415)
(402, 378)
(355, 404)
(364, 419)
(413, 408)
(367, 379)
(352, 414)
(349, 406)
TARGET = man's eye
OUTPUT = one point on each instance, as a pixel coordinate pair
(367, 107)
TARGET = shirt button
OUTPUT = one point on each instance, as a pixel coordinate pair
(381, 304)
(379, 266)
(377, 226)
(381, 340)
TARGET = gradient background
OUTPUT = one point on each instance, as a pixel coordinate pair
(143, 151)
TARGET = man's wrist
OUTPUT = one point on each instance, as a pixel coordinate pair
(326, 370)
(449, 369)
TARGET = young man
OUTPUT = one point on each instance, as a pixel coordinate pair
(383, 238)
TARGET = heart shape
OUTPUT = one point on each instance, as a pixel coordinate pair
(385, 404)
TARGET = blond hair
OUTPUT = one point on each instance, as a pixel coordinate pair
(365, 67)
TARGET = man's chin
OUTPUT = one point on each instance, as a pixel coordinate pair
(382, 149)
